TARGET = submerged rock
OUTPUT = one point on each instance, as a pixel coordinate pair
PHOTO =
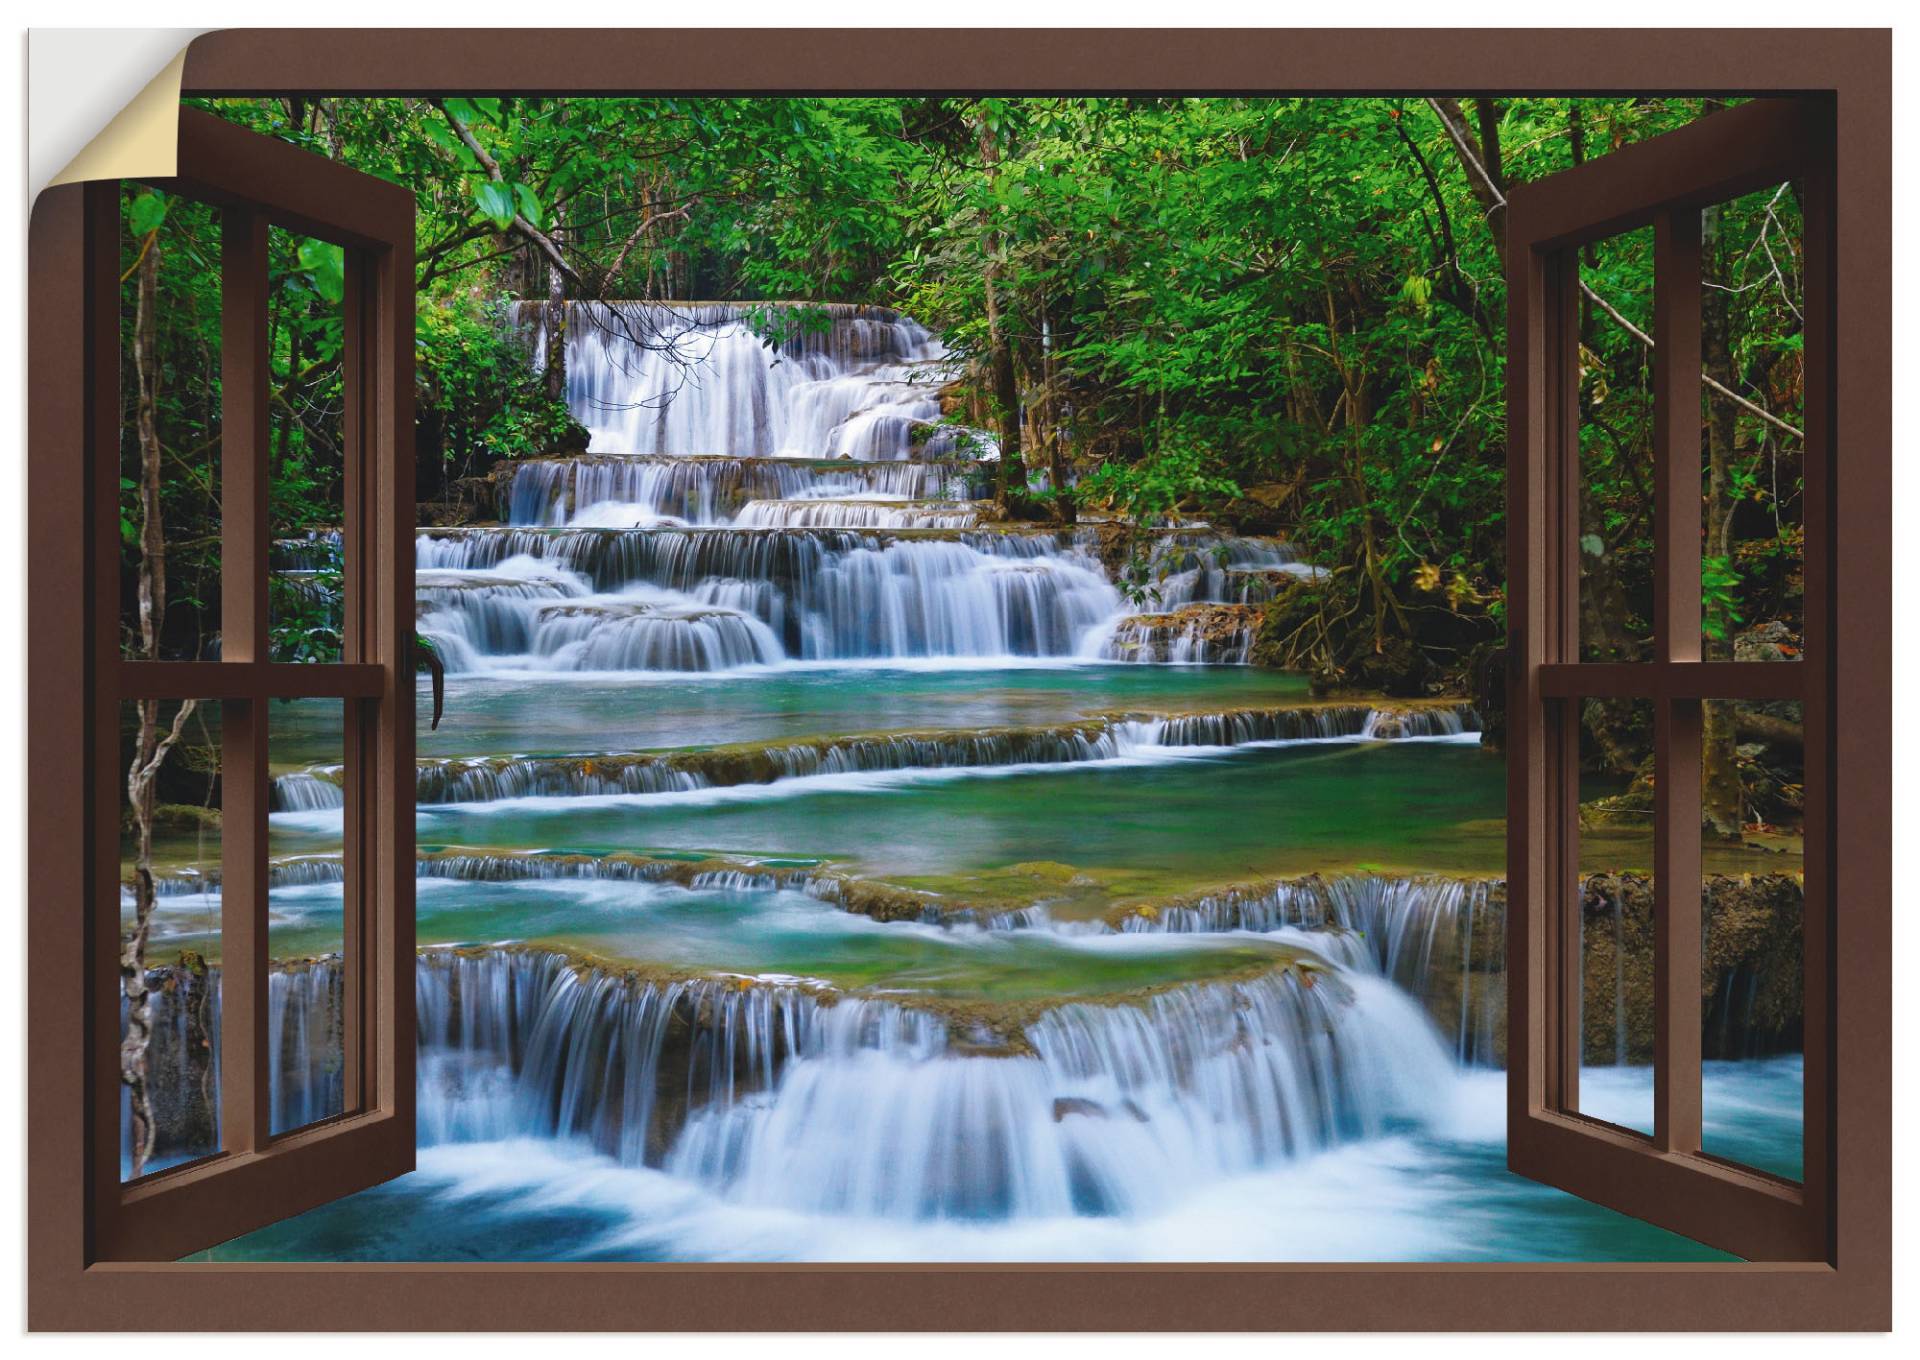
(1216, 634)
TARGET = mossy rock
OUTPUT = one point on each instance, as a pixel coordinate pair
(185, 817)
(1395, 667)
(572, 438)
(1293, 605)
(1631, 808)
(1260, 509)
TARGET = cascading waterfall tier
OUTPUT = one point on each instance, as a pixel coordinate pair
(1110, 1110)
(810, 380)
(857, 514)
(1439, 939)
(544, 597)
(1194, 634)
(484, 779)
(305, 1010)
(709, 490)
(786, 1095)
(1200, 567)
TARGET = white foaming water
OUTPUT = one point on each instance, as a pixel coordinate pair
(866, 1109)
(1437, 1193)
(710, 491)
(694, 378)
(694, 486)
(717, 599)
(1120, 1110)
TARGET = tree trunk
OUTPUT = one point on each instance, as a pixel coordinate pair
(150, 746)
(556, 371)
(1006, 389)
(1720, 798)
(1481, 164)
(1050, 403)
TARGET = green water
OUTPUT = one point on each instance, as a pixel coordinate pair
(767, 934)
(1080, 839)
(1164, 825)
(560, 716)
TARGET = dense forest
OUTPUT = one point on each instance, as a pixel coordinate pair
(1277, 315)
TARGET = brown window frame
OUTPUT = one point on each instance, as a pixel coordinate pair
(259, 1177)
(1850, 1287)
(1664, 183)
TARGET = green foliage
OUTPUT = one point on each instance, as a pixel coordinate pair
(179, 241)
(479, 398)
(1719, 597)
(495, 202)
(1282, 313)
(306, 618)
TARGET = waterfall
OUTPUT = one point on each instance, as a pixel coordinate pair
(312, 790)
(296, 872)
(599, 774)
(315, 550)
(711, 490)
(1416, 932)
(649, 631)
(833, 381)
(305, 1034)
(1195, 634)
(771, 483)
(857, 514)
(305, 1010)
(1323, 722)
(773, 1093)
(1086, 1107)
(717, 598)
(1188, 568)
(1110, 1111)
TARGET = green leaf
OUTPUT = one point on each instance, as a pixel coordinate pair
(529, 206)
(495, 202)
(146, 212)
(326, 265)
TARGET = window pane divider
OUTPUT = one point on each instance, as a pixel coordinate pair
(1677, 748)
(250, 680)
(1756, 681)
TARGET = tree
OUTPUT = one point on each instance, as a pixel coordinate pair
(145, 216)
(1012, 480)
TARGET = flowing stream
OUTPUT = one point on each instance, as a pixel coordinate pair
(814, 868)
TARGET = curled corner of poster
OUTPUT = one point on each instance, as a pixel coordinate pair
(141, 141)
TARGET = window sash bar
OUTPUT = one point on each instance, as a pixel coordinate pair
(1677, 747)
(1757, 681)
(259, 680)
(245, 793)
(1562, 842)
(1819, 1174)
(357, 721)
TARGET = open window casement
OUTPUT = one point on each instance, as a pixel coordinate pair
(1662, 1174)
(254, 1169)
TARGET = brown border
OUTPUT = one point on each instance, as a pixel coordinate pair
(1853, 1291)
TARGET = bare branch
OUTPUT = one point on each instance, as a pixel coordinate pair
(1705, 381)
(520, 223)
(1488, 187)
(647, 223)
